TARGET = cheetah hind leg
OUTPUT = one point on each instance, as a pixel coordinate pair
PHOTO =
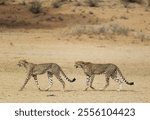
(120, 87)
(50, 80)
(107, 84)
(119, 80)
(61, 80)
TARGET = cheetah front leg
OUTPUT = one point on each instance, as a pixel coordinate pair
(26, 81)
(91, 82)
(36, 81)
(87, 82)
(61, 80)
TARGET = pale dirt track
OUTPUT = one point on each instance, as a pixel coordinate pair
(42, 46)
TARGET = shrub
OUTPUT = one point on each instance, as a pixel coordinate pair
(105, 29)
(120, 30)
(126, 2)
(36, 7)
(56, 3)
(148, 3)
(2, 2)
(133, 1)
(23, 2)
(78, 3)
(92, 3)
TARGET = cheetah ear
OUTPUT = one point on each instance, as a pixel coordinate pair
(85, 63)
(82, 63)
(79, 62)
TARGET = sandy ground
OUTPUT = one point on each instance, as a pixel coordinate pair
(20, 39)
(39, 46)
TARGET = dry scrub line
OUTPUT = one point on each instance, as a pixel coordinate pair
(106, 29)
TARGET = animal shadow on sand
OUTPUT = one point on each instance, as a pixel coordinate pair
(59, 91)
(100, 90)
(116, 90)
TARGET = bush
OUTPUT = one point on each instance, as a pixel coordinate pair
(92, 3)
(133, 1)
(56, 3)
(148, 3)
(105, 29)
(126, 2)
(36, 7)
(23, 2)
(2, 2)
(137, 1)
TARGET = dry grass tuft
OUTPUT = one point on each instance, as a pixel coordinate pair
(23, 2)
(92, 3)
(3, 2)
(127, 2)
(105, 29)
(142, 36)
(56, 3)
(148, 3)
(36, 7)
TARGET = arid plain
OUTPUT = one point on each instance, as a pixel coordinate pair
(108, 33)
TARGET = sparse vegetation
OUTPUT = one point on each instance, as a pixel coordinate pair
(142, 36)
(127, 2)
(92, 3)
(78, 3)
(3, 2)
(56, 3)
(36, 7)
(123, 17)
(133, 1)
(23, 2)
(148, 3)
(118, 29)
(105, 29)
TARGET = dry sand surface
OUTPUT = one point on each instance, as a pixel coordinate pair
(133, 60)
(130, 53)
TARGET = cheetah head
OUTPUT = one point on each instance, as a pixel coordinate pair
(22, 63)
(79, 64)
